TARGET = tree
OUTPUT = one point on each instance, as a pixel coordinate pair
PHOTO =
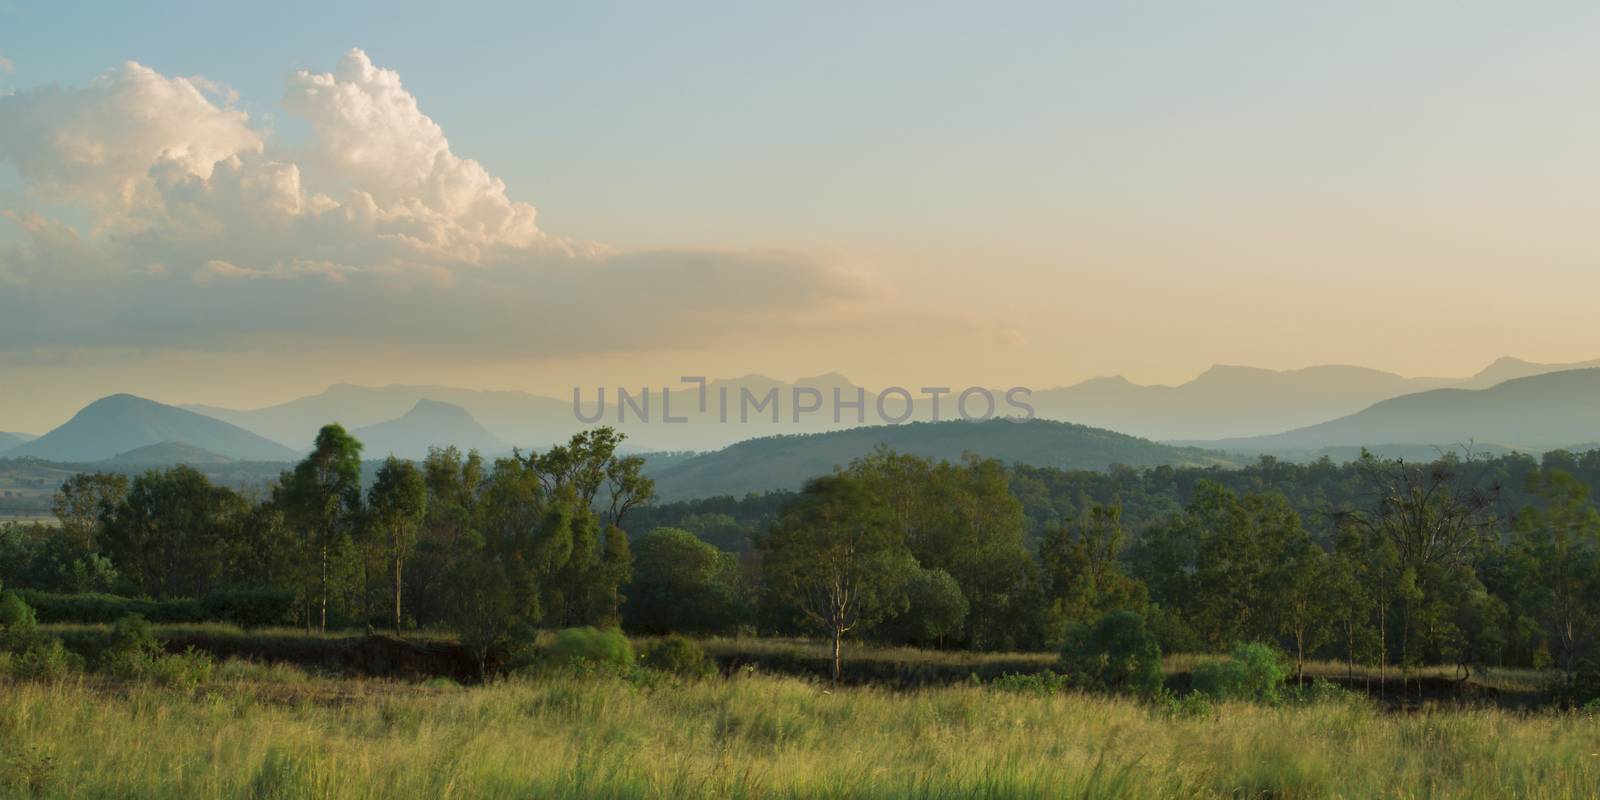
(961, 518)
(83, 500)
(836, 557)
(322, 495)
(168, 536)
(1305, 600)
(1221, 563)
(575, 474)
(681, 585)
(1555, 560)
(587, 464)
(1433, 516)
(1081, 571)
(398, 502)
(935, 610)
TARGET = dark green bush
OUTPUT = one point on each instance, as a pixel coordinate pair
(677, 655)
(1117, 654)
(245, 608)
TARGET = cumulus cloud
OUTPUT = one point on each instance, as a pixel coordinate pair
(5, 66)
(204, 232)
(108, 144)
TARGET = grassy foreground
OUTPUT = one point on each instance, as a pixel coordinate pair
(274, 733)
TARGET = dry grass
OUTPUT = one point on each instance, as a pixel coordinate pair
(264, 734)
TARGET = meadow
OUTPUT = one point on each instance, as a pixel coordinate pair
(256, 731)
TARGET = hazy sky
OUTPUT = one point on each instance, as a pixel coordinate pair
(242, 206)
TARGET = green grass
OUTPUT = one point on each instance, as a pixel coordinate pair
(268, 733)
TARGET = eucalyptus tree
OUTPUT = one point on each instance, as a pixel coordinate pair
(322, 495)
(397, 504)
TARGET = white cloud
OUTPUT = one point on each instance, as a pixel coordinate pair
(5, 66)
(203, 232)
(107, 145)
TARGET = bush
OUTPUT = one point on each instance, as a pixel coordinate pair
(679, 656)
(587, 648)
(1044, 683)
(249, 608)
(186, 670)
(45, 660)
(1255, 672)
(1117, 654)
(245, 608)
(1193, 704)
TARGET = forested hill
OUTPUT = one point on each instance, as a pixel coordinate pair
(785, 462)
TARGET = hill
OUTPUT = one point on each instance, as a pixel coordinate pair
(117, 424)
(785, 462)
(10, 440)
(428, 423)
(165, 454)
(1536, 413)
(1510, 369)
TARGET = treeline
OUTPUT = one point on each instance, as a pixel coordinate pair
(1466, 562)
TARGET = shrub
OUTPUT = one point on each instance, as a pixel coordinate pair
(587, 648)
(18, 625)
(1117, 654)
(1320, 690)
(1255, 672)
(245, 608)
(1193, 704)
(249, 608)
(45, 660)
(677, 655)
(186, 670)
(1044, 683)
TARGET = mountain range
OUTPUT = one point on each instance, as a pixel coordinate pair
(1510, 405)
(428, 423)
(1224, 402)
(785, 462)
(114, 425)
(1542, 412)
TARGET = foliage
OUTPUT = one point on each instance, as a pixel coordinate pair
(837, 558)
(677, 655)
(244, 607)
(934, 613)
(587, 647)
(1254, 672)
(1117, 653)
(683, 585)
(1043, 684)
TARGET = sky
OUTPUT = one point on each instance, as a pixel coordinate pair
(240, 205)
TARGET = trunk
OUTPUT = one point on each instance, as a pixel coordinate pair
(1300, 660)
(324, 625)
(397, 596)
(1383, 648)
(838, 635)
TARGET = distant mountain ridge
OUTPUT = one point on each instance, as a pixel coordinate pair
(428, 423)
(1221, 403)
(1540, 412)
(9, 440)
(117, 424)
(786, 462)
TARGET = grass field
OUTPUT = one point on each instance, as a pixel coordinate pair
(277, 733)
